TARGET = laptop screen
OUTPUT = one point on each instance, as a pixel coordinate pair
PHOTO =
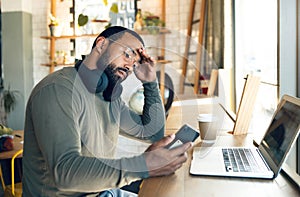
(282, 131)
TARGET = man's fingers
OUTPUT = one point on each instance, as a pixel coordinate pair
(178, 162)
(182, 149)
(164, 161)
(144, 57)
(166, 140)
(161, 143)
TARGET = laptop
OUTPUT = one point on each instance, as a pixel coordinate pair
(264, 161)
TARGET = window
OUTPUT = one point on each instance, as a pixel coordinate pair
(266, 45)
(298, 80)
(256, 54)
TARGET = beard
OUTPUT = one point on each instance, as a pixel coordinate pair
(111, 69)
(114, 88)
(111, 73)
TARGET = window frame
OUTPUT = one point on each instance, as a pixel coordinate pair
(288, 64)
(298, 78)
(288, 10)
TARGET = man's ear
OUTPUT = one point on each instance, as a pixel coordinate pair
(101, 44)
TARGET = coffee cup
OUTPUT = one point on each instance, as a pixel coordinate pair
(208, 127)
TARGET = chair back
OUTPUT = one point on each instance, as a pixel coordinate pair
(212, 82)
(246, 106)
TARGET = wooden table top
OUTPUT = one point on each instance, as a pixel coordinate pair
(182, 184)
(186, 112)
(18, 145)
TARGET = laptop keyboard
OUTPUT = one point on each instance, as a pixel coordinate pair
(240, 160)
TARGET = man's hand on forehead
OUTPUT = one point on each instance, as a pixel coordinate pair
(144, 57)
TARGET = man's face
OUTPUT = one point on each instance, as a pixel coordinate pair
(120, 57)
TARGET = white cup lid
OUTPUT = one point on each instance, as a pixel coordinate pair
(206, 117)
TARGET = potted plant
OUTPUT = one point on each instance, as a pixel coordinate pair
(152, 22)
(8, 102)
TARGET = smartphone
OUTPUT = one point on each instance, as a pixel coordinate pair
(185, 134)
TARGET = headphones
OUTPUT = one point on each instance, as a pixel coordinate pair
(96, 81)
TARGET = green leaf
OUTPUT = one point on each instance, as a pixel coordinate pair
(82, 19)
(114, 8)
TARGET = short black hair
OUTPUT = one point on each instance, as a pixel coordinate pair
(116, 32)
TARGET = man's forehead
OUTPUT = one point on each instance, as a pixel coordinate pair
(128, 40)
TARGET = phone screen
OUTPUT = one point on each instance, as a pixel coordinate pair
(185, 134)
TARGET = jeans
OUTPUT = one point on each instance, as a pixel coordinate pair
(117, 193)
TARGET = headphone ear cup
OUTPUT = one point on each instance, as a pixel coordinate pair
(112, 93)
(94, 80)
(102, 83)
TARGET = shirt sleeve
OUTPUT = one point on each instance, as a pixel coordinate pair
(54, 111)
(151, 124)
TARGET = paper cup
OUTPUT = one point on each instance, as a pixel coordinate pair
(207, 126)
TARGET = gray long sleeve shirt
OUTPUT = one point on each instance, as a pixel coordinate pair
(71, 137)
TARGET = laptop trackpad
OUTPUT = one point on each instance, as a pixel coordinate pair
(207, 161)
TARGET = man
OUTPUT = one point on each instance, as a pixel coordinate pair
(74, 117)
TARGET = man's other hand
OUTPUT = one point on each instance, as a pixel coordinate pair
(162, 161)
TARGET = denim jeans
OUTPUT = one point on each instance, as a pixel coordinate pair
(117, 193)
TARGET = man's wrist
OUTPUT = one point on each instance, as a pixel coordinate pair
(151, 88)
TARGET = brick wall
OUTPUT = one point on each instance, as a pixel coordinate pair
(40, 46)
(40, 17)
